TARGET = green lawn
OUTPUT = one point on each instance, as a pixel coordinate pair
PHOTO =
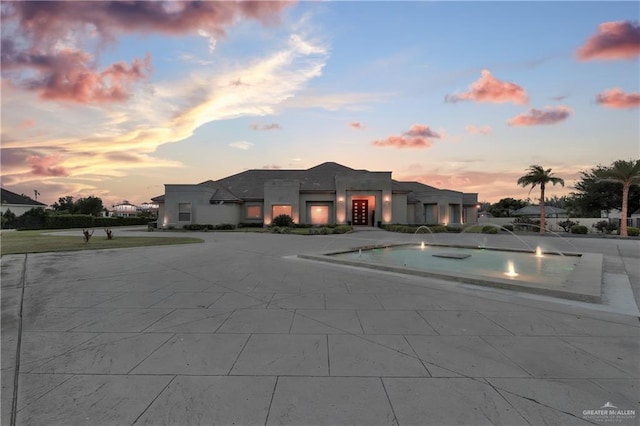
(14, 242)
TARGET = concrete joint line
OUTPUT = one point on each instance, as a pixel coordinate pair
(16, 372)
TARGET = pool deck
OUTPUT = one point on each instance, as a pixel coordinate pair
(239, 330)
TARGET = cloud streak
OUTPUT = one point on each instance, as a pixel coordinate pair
(418, 136)
(482, 130)
(259, 127)
(490, 89)
(536, 117)
(616, 98)
(612, 40)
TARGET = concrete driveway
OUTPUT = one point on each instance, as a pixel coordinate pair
(239, 331)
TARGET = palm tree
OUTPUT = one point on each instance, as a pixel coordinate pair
(627, 173)
(539, 176)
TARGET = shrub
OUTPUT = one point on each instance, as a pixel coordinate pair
(250, 225)
(7, 219)
(342, 229)
(454, 228)
(508, 227)
(224, 227)
(579, 229)
(195, 227)
(605, 227)
(437, 228)
(35, 218)
(489, 229)
(567, 224)
(633, 231)
(282, 220)
(302, 225)
(65, 221)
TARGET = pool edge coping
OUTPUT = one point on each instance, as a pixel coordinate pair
(584, 284)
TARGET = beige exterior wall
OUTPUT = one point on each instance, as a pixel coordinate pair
(411, 214)
(202, 211)
(399, 212)
(281, 192)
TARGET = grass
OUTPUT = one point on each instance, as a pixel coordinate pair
(17, 242)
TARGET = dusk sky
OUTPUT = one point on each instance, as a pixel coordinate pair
(116, 99)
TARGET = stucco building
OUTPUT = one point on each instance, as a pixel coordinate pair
(325, 194)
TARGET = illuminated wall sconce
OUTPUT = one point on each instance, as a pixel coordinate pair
(341, 199)
(386, 199)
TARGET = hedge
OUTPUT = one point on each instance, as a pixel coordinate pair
(35, 219)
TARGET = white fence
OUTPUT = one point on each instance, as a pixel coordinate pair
(552, 222)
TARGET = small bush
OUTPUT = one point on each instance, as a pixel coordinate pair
(454, 228)
(579, 229)
(342, 229)
(508, 227)
(7, 219)
(567, 224)
(283, 220)
(251, 225)
(281, 230)
(633, 231)
(489, 229)
(224, 227)
(605, 227)
(196, 227)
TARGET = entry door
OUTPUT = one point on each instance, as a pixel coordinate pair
(360, 212)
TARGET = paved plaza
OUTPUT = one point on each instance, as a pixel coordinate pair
(238, 330)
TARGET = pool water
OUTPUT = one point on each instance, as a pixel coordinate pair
(552, 270)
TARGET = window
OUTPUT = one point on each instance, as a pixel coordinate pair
(319, 215)
(184, 212)
(277, 210)
(254, 212)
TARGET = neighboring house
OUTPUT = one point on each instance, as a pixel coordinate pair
(124, 209)
(324, 194)
(633, 219)
(18, 204)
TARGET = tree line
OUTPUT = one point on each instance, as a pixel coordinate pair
(603, 188)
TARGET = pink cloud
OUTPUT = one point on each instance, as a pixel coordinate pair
(418, 136)
(616, 98)
(490, 89)
(272, 126)
(356, 125)
(45, 166)
(68, 77)
(482, 130)
(550, 115)
(26, 124)
(33, 31)
(46, 22)
(613, 40)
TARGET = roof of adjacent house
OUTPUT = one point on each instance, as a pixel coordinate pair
(249, 185)
(9, 197)
(535, 211)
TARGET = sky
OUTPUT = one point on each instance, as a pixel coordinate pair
(116, 99)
